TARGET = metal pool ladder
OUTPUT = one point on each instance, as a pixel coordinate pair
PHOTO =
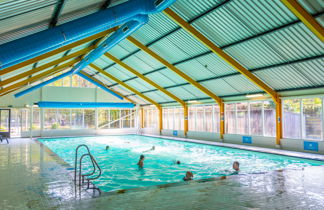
(88, 177)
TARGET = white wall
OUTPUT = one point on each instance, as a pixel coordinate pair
(65, 94)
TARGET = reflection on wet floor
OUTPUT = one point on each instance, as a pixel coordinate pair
(31, 178)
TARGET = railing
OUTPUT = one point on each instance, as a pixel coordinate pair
(83, 177)
(123, 117)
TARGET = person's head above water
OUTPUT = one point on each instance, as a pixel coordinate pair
(178, 162)
(142, 157)
(189, 176)
(107, 147)
(236, 166)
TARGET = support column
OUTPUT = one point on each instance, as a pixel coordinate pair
(185, 120)
(222, 120)
(278, 121)
(160, 119)
(142, 118)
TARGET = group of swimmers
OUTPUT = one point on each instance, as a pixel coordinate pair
(189, 175)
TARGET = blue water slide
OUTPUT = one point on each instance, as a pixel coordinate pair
(28, 47)
(58, 104)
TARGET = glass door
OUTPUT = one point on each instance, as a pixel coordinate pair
(5, 122)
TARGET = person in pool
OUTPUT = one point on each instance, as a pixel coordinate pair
(141, 161)
(107, 147)
(188, 177)
(177, 162)
(153, 148)
(236, 167)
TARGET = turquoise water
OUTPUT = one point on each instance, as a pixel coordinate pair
(119, 163)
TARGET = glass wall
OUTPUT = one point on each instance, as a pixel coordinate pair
(251, 118)
(116, 118)
(86, 118)
(173, 118)
(72, 81)
(204, 118)
(303, 118)
(151, 118)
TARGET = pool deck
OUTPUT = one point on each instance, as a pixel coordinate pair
(33, 178)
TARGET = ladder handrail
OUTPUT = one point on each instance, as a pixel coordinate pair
(94, 164)
(85, 176)
(76, 160)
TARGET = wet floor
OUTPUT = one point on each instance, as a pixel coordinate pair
(33, 178)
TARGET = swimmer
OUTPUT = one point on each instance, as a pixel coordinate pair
(177, 162)
(141, 161)
(107, 147)
(153, 148)
(188, 177)
(236, 167)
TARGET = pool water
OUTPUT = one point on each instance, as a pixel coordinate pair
(119, 163)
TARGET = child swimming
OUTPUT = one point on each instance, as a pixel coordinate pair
(141, 161)
(188, 177)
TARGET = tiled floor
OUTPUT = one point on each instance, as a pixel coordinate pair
(32, 178)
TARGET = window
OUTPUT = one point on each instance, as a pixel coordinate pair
(192, 118)
(151, 117)
(312, 118)
(165, 118)
(242, 118)
(63, 118)
(77, 118)
(292, 119)
(208, 118)
(89, 118)
(170, 119)
(269, 118)
(256, 118)
(4, 120)
(114, 119)
(36, 119)
(50, 121)
(230, 118)
(216, 118)
(104, 118)
(200, 118)
(72, 81)
(251, 118)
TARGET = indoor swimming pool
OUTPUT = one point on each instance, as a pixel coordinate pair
(119, 162)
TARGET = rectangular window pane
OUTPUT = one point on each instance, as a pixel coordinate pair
(24, 113)
(200, 119)
(230, 118)
(77, 119)
(36, 119)
(242, 118)
(292, 119)
(208, 118)
(50, 121)
(165, 119)
(114, 119)
(312, 118)
(103, 118)
(256, 118)
(89, 118)
(63, 117)
(176, 119)
(269, 118)
(4, 121)
(216, 119)
(170, 118)
(192, 118)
